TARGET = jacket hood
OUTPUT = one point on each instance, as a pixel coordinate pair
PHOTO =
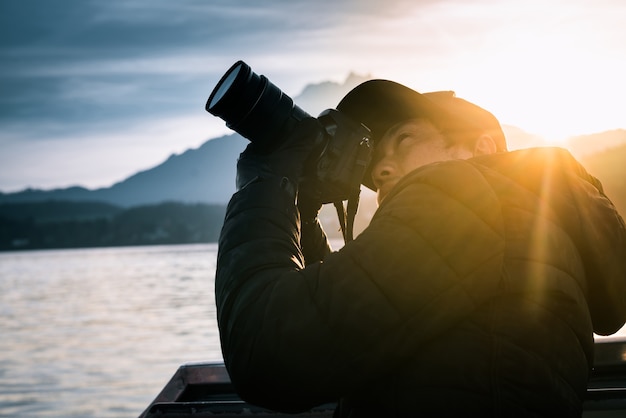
(578, 202)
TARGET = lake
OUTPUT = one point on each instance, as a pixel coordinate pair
(99, 332)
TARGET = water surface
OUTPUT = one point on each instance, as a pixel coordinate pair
(98, 332)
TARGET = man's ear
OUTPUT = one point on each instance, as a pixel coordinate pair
(485, 145)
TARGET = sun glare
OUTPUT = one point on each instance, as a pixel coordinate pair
(544, 78)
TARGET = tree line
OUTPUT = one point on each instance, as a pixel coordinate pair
(54, 224)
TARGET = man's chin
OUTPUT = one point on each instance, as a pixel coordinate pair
(385, 187)
(382, 192)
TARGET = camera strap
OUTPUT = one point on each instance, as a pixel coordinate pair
(347, 214)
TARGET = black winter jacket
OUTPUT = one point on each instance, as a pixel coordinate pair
(474, 291)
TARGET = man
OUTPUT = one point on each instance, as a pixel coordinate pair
(474, 291)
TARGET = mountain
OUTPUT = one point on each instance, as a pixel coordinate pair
(317, 97)
(517, 138)
(202, 175)
(207, 174)
(608, 166)
(184, 198)
(586, 145)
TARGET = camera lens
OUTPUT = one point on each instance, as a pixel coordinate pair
(254, 107)
(223, 87)
(235, 95)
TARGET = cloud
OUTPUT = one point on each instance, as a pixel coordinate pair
(76, 62)
(94, 69)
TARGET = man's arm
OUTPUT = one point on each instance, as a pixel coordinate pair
(294, 337)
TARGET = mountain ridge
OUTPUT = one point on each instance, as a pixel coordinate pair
(207, 174)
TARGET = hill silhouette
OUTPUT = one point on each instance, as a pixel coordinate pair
(207, 174)
(202, 181)
(609, 167)
(195, 176)
(201, 175)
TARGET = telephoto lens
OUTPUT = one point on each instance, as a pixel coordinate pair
(254, 107)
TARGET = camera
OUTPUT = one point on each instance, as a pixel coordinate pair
(260, 112)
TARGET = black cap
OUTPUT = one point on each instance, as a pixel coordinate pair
(381, 104)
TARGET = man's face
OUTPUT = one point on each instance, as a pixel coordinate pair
(407, 146)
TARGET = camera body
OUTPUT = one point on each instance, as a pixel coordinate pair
(260, 112)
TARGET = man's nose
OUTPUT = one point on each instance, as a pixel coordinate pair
(382, 170)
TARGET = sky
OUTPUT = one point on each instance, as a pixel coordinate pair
(94, 91)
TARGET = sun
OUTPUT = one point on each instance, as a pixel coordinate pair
(544, 79)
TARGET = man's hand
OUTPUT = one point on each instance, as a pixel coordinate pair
(293, 160)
